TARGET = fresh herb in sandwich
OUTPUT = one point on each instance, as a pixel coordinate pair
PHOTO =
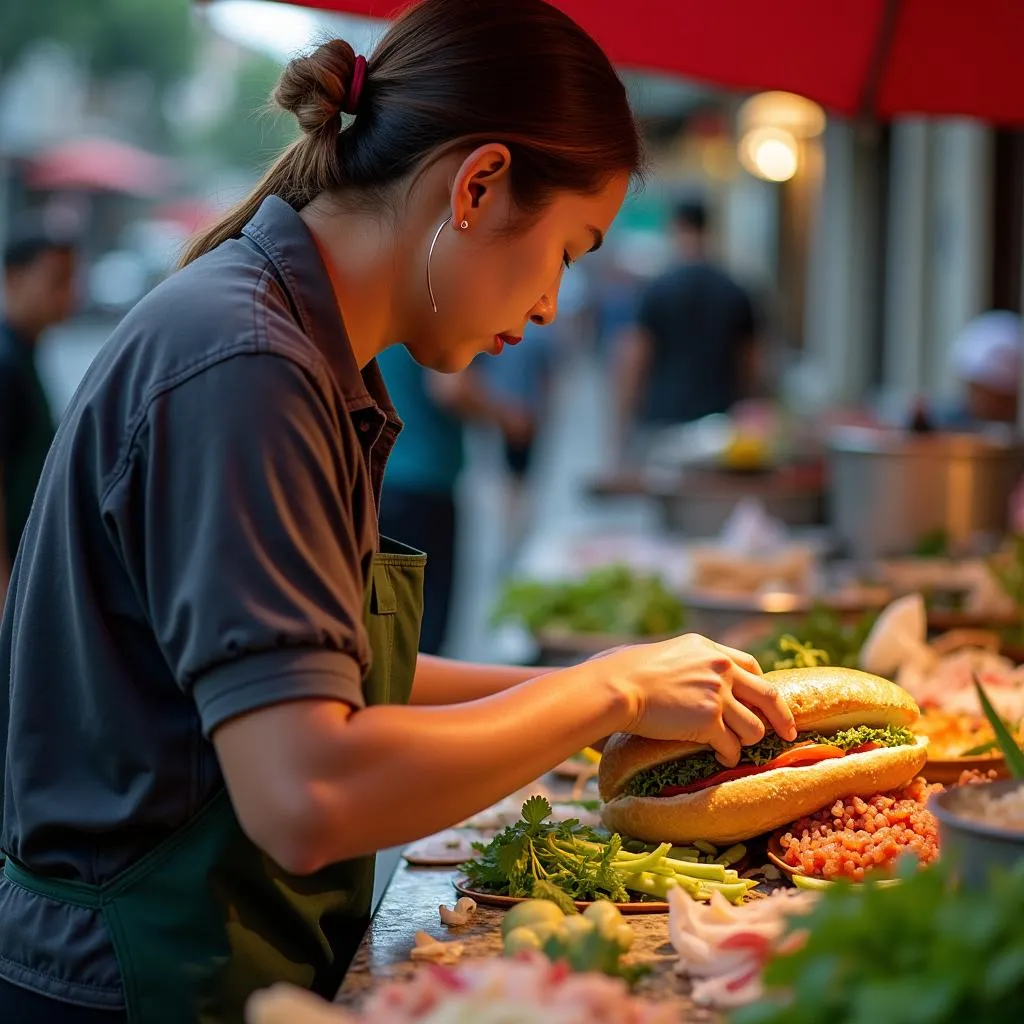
(704, 764)
(923, 952)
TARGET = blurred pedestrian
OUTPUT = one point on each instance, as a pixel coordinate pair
(39, 273)
(524, 377)
(694, 349)
(418, 504)
(987, 363)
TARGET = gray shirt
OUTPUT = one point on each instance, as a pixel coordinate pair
(198, 548)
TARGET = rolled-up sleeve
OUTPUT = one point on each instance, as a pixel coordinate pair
(235, 517)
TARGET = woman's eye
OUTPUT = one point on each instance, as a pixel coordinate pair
(567, 260)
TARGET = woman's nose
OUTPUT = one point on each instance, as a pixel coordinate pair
(545, 311)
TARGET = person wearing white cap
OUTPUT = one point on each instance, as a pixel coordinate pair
(986, 359)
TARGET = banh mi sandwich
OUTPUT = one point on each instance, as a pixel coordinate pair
(853, 739)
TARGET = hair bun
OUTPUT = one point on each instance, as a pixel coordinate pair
(313, 88)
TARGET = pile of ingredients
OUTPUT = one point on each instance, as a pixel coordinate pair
(855, 837)
(612, 601)
(567, 862)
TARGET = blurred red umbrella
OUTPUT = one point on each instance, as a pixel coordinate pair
(878, 58)
(99, 165)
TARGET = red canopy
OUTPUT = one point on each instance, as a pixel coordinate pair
(877, 57)
(99, 165)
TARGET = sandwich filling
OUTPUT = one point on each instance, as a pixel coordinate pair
(702, 770)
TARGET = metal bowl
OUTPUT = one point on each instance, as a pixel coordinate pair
(974, 846)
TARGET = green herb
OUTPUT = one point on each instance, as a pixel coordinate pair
(704, 764)
(569, 862)
(612, 600)
(934, 544)
(922, 952)
(803, 655)
(1008, 570)
(544, 890)
(1013, 754)
(574, 858)
(980, 750)
(821, 631)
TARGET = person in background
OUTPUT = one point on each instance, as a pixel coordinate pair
(524, 376)
(987, 363)
(418, 502)
(694, 348)
(39, 274)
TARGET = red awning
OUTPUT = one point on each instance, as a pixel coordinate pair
(880, 57)
(99, 165)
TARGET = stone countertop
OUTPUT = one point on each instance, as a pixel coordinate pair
(410, 905)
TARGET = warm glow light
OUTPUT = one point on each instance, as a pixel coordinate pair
(769, 153)
(800, 117)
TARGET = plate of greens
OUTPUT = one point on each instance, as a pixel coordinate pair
(575, 865)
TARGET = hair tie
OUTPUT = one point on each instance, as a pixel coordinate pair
(355, 90)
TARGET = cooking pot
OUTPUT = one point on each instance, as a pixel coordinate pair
(888, 489)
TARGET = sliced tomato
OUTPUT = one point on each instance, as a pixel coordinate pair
(727, 775)
(797, 757)
(801, 756)
(864, 748)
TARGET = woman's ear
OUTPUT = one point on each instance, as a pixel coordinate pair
(481, 184)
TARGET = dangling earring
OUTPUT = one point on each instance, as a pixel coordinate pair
(464, 225)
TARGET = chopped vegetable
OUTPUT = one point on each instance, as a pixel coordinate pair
(567, 861)
(426, 947)
(613, 600)
(594, 941)
(459, 915)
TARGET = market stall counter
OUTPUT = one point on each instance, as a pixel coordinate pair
(411, 905)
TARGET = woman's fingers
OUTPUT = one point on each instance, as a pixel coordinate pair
(725, 744)
(749, 729)
(763, 697)
(742, 658)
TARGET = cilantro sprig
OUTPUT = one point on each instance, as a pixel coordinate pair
(567, 855)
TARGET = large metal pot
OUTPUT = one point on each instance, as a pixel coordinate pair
(889, 489)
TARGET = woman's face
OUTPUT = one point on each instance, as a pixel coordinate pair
(488, 284)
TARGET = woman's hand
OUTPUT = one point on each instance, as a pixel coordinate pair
(691, 688)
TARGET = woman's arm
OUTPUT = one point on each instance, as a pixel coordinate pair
(314, 782)
(444, 681)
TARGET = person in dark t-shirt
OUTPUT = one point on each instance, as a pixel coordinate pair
(39, 275)
(692, 351)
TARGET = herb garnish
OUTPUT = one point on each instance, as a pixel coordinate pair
(575, 858)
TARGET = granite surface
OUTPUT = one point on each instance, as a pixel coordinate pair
(410, 905)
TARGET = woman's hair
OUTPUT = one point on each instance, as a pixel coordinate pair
(451, 74)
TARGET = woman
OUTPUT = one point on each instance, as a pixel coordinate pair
(207, 649)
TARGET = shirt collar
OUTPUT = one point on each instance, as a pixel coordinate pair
(283, 237)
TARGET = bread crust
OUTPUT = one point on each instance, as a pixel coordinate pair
(824, 699)
(738, 810)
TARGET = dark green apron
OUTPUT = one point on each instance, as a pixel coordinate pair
(206, 918)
